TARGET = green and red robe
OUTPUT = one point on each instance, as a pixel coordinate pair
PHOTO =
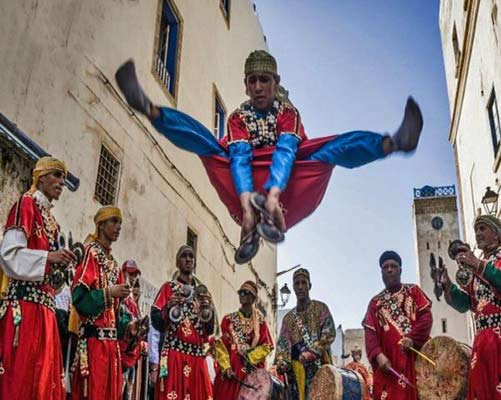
(97, 370)
(483, 297)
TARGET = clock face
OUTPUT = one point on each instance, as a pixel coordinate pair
(437, 223)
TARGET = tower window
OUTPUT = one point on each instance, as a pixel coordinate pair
(444, 325)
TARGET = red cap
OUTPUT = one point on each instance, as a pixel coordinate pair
(131, 267)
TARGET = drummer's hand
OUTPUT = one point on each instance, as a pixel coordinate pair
(249, 219)
(469, 259)
(306, 356)
(383, 362)
(228, 374)
(272, 205)
(406, 343)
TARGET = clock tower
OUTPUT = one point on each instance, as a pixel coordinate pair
(436, 224)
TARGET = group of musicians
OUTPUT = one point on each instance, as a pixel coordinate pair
(111, 331)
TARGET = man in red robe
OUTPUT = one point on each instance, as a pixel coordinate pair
(358, 366)
(131, 345)
(244, 344)
(397, 319)
(483, 297)
(31, 365)
(266, 148)
(178, 312)
(98, 289)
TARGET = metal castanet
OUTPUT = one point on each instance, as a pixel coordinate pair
(64, 274)
(448, 379)
(331, 383)
(464, 274)
(261, 385)
(203, 298)
(175, 312)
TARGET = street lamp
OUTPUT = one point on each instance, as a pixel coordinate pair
(490, 201)
(285, 293)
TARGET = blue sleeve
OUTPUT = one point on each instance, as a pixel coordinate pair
(240, 166)
(282, 161)
(187, 133)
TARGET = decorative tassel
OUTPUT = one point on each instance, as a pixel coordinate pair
(16, 337)
(162, 384)
(85, 389)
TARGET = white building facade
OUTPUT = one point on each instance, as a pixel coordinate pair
(58, 60)
(470, 31)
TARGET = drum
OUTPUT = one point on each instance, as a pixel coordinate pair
(264, 386)
(448, 380)
(331, 383)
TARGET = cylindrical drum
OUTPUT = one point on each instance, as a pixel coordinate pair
(448, 379)
(261, 385)
(331, 383)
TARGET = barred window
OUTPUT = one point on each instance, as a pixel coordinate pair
(167, 51)
(219, 117)
(107, 178)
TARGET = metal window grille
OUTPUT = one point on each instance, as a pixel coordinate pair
(107, 178)
(217, 118)
(162, 72)
(163, 50)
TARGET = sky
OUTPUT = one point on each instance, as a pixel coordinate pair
(350, 65)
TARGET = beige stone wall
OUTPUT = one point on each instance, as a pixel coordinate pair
(429, 240)
(15, 178)
(352, 338)
(58, 59)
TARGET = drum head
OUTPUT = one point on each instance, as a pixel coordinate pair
(331, 383)
(449, 378)
(266, 387)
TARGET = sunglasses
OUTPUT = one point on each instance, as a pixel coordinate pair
(244, 292)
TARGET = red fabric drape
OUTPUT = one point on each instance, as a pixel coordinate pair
(305, 190)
